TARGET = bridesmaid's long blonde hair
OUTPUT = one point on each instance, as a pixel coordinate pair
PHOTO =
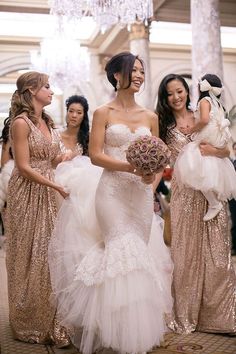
(21, 101)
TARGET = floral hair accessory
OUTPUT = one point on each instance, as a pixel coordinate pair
(148, 154)
(206, 86)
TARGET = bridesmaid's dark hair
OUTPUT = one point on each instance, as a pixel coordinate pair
(214, 81)
(122, 63)
(165, 114)
(21, 101)
(6, 130)
(83, 133)
(4, 138)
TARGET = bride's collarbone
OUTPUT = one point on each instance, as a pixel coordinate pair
(131, 122)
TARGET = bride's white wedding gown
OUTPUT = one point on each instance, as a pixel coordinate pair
(110, 269)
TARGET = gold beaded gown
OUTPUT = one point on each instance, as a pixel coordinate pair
(204, 279)
(31, 212)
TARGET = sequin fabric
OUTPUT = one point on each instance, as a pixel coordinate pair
(204, 282)
(77, 149)
(31, 212)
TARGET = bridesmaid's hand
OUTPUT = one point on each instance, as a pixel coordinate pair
(67, 156)
(207, 149)
(62, 192)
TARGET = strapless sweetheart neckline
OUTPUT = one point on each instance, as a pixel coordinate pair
(127, 127)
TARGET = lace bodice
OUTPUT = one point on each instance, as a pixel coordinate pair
(118, 138)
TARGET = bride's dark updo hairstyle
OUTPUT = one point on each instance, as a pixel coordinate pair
(163, 110)
(122, 63)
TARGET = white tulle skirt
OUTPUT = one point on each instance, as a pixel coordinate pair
(205, 173)
(110, 292)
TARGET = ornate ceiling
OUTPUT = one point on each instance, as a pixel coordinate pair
(164, 10)
(113, 40)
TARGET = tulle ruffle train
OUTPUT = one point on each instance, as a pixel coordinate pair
(113, 292)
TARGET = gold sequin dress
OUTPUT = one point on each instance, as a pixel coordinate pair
(31, 212)
(204, 282)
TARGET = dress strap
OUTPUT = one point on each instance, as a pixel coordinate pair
(26, 119)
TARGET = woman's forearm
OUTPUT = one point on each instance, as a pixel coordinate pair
(29, 173)
(109, 163)
(197, 127)
(210, 150)
(222, 152)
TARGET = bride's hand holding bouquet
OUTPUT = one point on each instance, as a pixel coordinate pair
(148, 155)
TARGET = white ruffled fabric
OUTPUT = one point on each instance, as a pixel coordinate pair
(116, 286)
(4, 179)
(208, 173)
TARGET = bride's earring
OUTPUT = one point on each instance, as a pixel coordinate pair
(118, 85)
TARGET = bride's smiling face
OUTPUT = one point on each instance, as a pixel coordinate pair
(132, 80)
(137, 76)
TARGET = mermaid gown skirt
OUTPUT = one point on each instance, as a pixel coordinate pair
(110, 269)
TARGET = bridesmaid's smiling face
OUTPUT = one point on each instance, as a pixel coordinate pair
(177, 95)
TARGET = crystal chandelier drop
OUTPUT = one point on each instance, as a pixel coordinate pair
(106, 13)
(62, 58)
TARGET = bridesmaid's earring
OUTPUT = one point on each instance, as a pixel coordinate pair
(118, 85)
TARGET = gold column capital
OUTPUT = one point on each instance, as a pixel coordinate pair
(139, 30)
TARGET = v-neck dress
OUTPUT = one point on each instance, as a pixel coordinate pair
(31, 212)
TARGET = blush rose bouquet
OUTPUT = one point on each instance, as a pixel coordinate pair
(148, 154)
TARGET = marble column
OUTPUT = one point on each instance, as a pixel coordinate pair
(139, 45)
(206, 41)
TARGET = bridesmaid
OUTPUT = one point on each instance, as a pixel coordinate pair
(76, 134)
(31, 212)
(204, 280)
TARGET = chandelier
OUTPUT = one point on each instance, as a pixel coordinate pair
(106, 13)
(62, 58)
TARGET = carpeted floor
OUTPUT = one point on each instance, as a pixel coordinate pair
(196, 343)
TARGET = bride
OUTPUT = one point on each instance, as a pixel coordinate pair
(110, 269)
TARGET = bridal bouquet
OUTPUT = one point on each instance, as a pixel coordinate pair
(148, 154)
